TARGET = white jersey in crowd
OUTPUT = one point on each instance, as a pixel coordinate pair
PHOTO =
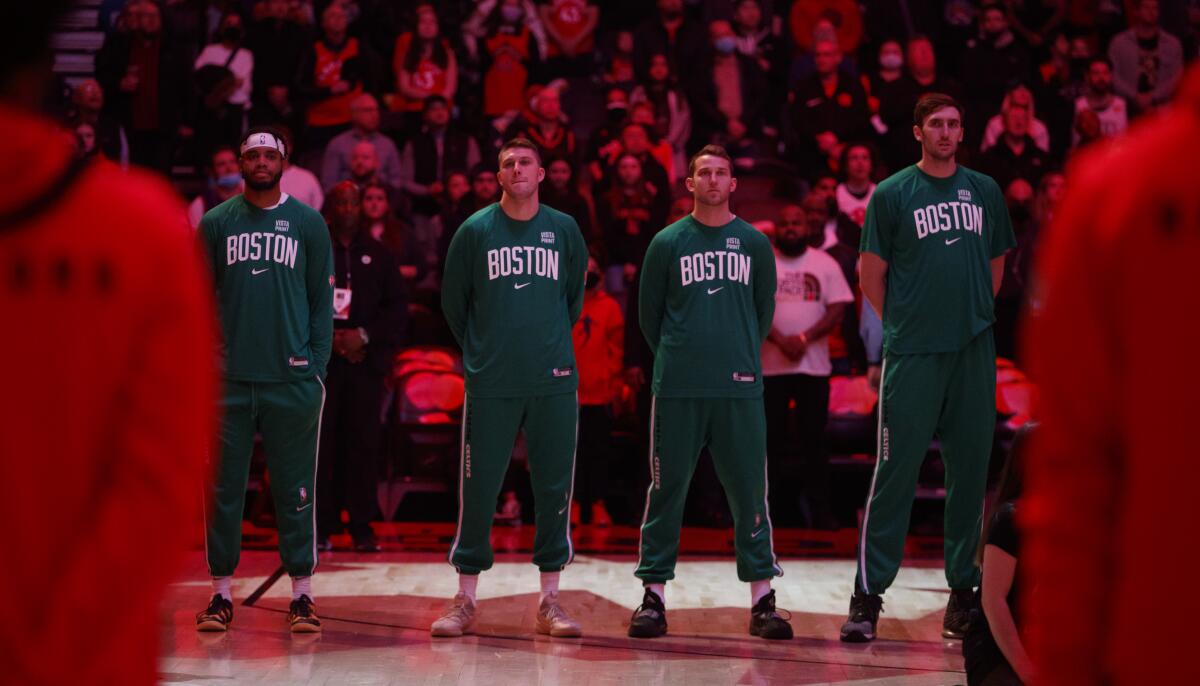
(852, 206)
(302, 185)
(807, 286)
(242, 67)
(1114, 118)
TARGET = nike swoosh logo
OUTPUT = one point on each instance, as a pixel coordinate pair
(564, 509)
(714, 290)
(256, 272)
(519, 286)
(756, 533)
(303, 507)
(952, 241)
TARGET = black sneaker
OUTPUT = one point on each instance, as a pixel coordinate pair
(217, 616)
(864, 615)
(366, 543)
(302, 616)
(767, 622)
(960, 612)
(650, 619)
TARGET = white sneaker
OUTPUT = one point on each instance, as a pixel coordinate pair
(457, 619)
(552, 620)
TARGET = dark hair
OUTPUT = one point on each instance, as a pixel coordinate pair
(432, 100)
(437, 44)
(932, 102)
(520, 142)
(478, 169)
(27, 42)
(362, 192)
(1012, 478)
(272, 130)
(222, 147)
(712, 150)
(1103, 59)
(845, 156)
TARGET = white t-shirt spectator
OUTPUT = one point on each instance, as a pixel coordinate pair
(807, 286)
(302, 185)
(242, 67)
(853, 206)
(1114, 119)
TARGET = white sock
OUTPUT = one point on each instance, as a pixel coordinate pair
(758, 589)
(660, 590)
(467, 584)
(221, 585)
(549, 584)
(301, 585)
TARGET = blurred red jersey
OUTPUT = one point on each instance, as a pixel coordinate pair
(1110, 515)
(108, 405)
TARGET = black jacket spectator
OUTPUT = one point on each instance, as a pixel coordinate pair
(707, 118)
(814, 110)
(1005, 164)
(683, 47)
(379, 304)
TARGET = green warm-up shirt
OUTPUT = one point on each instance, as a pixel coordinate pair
(511, 292)
(705, 304)
(938, 236)
(273, 271)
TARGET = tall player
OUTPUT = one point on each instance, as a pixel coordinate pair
(272, 264)
(706, 301)
(513, 289)
(932, 258)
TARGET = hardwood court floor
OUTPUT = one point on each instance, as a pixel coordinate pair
(377, 609)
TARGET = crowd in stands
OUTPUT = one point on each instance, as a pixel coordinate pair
(410, 100)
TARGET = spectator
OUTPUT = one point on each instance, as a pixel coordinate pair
(369, 312)
(599, 337)
(890, 95)
(424, 64)
(334, 72)
(87, 109)
(810, 301)
(570, 28)
(507, 37)
(852, 195)
(1010, 299)
(424, 163)
(820, 211)
(1111, 109)
(545, 124)
(144, 75)
(224, 182)
(635, 140)
(364, 165)
(1015, 155)
(297, 181)
(1147, 61)
(757, 39)
(1036, 21)
(827, 109)
(669, 32)
(630, 212)
(364, 117)
(278, 42)
(1019, 97)
(224, 74)
(994, 60)
(559, 192)
(672, 113)
(729, 90)
(459, 205)
(643, 113)
(383, 226)
(619, 67)
(838, 20)
(1057, 86)
(485, 189)
(992, 649)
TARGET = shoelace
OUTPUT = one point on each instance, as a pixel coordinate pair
(302, 608)
(457, 611)
(865, 605)
(555, 613)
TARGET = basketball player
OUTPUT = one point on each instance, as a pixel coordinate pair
(932, 258)
(272, 263)
(513, 289)
(108, 401)
(706, 301)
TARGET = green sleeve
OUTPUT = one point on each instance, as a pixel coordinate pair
(878, 227)
(206, 234)
(576, 271)
(456, 283)
(318, 250)
(764, 288)
(1002, 239)
(652, 290)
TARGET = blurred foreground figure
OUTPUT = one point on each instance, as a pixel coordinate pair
(1111, 482)
(109, 397)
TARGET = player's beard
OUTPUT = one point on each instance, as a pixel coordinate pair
(263, 185)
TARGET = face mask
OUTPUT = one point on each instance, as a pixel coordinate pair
(891, 61)
(511, 13)
(725, 45)
(791, 246)
(593, 280)
(232, 34)
(228, 180)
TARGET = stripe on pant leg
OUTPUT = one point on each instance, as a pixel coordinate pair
(462, 451)
(316, 459)
(571, 493)
(767, 512)
(862, 544)
(650, 459)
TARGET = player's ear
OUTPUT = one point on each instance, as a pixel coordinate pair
(541, 173)
(917, 132)
(689, 184)
(732, 184)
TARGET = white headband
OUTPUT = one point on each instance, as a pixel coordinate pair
(263, 140)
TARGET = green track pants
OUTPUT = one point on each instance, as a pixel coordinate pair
(951, 395)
